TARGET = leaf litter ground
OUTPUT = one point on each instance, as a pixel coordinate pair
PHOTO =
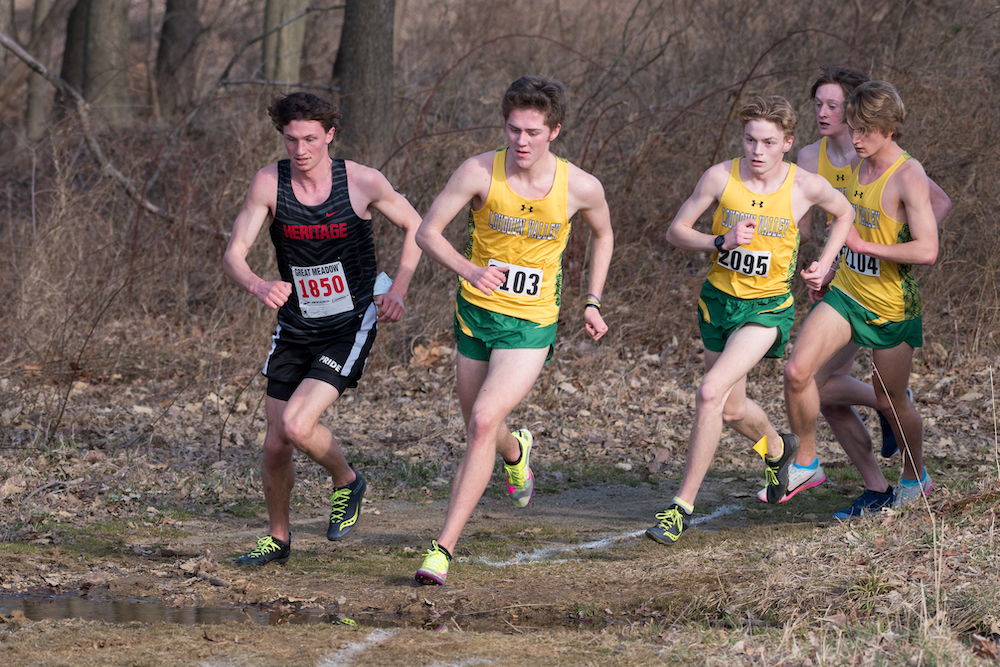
(151, 488)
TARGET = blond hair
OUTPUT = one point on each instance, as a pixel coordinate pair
(875, 105)
(774, 108)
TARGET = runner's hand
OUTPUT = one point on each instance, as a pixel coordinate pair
(273, 294)
(594, 323)
(814, 276)
(815, 296)
(390, 307)
(488, 278)
(743, 231)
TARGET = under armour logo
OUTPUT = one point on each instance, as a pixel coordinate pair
(859, 194)
(529, 209)
(840, 177)
(754, 202)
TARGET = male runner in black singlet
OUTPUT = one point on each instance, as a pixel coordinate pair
(321, 227)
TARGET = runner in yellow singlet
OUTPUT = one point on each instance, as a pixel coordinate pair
(873, 300)
(746, 307)
(523, 198)
(832, 158)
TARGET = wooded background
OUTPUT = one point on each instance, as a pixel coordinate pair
(115, 207)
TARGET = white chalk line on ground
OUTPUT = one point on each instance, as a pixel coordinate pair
(544, 554)
(346, 655)
(349, 654)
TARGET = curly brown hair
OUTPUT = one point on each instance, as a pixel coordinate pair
(303, 106)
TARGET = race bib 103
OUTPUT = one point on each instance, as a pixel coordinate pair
(521, 281)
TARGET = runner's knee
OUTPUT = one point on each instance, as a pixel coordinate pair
(277, 452)
(797, 378)
(709, 396)
(296, 431)
(482, 427)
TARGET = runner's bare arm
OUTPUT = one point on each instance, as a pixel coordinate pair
(260, 203)
(383, 198)
(586, 194)
(470, 182)
(681, 232)
(913, 188)
(940, 201)
(820, 193)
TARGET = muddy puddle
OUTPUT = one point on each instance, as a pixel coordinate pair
(121, 611)
(124, 611)
(37, 608)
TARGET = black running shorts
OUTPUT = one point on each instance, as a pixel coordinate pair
(338, 360)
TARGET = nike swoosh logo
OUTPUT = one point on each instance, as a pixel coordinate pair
(330, 215)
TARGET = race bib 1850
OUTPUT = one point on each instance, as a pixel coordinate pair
(521, 281)
(322, 290)
(747, 262)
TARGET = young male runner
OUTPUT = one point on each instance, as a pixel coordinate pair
(745, 309)
(320, 211)
(874, 300)
(833, 157)
(523, 198)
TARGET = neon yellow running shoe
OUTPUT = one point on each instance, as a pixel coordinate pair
(520, 481)
(269, 549)
(435, 568)
(669, 527)
(346, 508)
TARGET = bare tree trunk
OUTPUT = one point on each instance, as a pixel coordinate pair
(364, 63)
(175, 75)
(154, 97)
(10, 95)
(283, 48)
(7, 27)
(95, 60)
(37, 114)
(397, 21)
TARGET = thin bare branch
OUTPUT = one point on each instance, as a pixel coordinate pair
(83, 110)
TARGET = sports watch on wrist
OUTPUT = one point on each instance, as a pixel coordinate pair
(719, 240)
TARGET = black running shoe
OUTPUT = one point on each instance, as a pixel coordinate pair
(346, 508)
(670, 526)
(268, 549)
(776, 473)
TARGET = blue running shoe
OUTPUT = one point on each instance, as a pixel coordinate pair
(868, 503)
